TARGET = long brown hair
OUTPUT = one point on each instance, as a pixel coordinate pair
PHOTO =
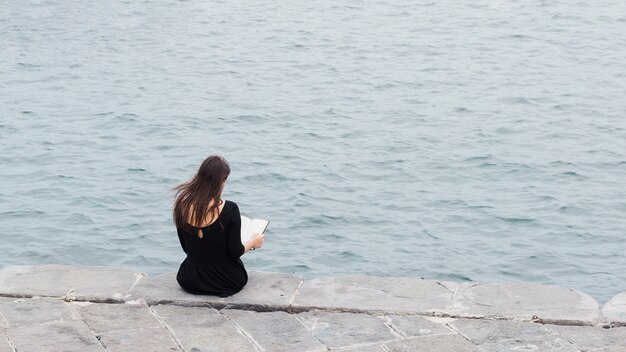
(201, 195)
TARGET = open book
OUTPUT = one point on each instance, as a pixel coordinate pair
(251, 226)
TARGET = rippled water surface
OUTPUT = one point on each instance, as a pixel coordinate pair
(455, 140)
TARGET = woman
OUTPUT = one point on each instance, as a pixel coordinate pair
(209, 230)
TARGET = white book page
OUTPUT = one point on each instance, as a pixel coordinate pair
(251, 226)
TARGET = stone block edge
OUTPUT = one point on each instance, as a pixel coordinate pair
(291, 306)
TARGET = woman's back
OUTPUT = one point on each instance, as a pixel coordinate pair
(213, 266)
(220, 241)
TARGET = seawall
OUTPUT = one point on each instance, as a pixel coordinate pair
(75, 308)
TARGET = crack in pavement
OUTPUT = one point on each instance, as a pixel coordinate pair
(167, 328)
(243, 332)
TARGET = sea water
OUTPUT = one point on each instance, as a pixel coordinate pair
(453, 140)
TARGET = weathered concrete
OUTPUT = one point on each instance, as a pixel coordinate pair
(67, 336)
(4, 344)
(275, 331)
(265, 291)
(280, 312)
(336, 330)
(614, 311)
(366, 348)
(502, 335)
(587, 338)
(526, 301)
(360, 293)
(102, 318)
(125, 327)
(203, 329)
(415, 325)
(152, 339)
(24, 311)
(84, 283)
(439, 343)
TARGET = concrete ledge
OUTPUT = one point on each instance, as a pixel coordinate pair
(524, 301)
(375, 294)
(265, 291)
(268, 291)
(100, 284)
(283, 312)
(614, 311)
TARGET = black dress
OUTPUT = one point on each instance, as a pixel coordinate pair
(213, 266)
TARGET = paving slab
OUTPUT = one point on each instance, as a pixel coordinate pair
(203, 329)
(27, 311)
(4, 343)
(439, 343)
(126, 327)
(614, 311)
(149, 339)
(265, 291)
(105, 317)
(67, 336)
(3, 302)
(530, 344)
(364, 348)
(275, 331)
(414, 326)
(525, 301)
(375, 294)
(507, 335)
(281, 312)
(86, 283)
(596, 339)
(337, 330)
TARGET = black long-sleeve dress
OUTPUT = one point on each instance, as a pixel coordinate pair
(213, 265)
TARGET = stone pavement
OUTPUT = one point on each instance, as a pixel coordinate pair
(71, 308)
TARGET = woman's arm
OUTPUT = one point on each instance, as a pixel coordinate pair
(235, 248)
(182, 241)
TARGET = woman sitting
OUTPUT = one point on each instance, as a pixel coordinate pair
(209, 230)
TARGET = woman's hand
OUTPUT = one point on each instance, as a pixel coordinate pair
(256, 241)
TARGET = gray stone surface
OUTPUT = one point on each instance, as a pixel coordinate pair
(365, 348)
(588, 338)
(87, 283)
(279, 312)
(436, 343)
(360, 293)
(68, 336)
(126, 327)
(614, 311)
(203, 329)
(264, 291)
(505, 335)
(530, 344)
(104, 317)
(337, 330)
(4, 343)
(26, 311)
(275, 331)
(150, 339)
(164, 289)
(4, 302)
(523, 301)
(413, 325)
